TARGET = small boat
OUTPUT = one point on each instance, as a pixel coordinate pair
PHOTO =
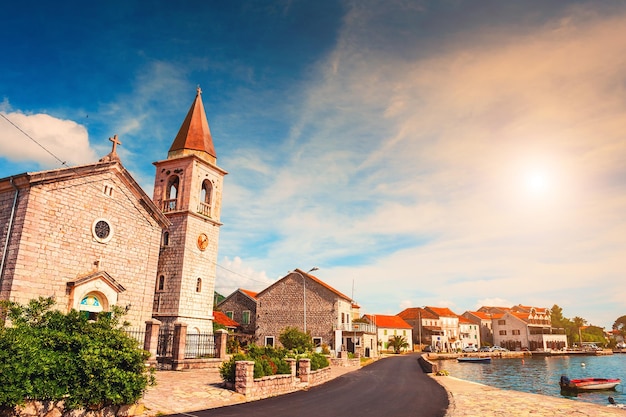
(474, 359)
(588, 384)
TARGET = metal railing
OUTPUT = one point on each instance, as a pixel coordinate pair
(138, 334)
(200, 346)
(357, 327)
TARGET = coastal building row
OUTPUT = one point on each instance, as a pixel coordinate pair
(303, 301)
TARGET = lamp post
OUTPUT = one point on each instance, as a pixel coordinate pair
(304, 292)
(419, 313)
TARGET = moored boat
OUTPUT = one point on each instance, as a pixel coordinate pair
(474, 359)
(588, 384)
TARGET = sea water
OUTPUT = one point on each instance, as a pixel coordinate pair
(541, 374)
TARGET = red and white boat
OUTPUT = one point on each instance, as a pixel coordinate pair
(588, 384)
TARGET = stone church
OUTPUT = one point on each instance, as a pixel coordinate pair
(90, 237)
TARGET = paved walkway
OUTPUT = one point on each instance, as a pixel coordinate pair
(199, 389)
(468, 399)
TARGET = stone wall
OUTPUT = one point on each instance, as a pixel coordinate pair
(239, 302)
(57, 409)
(270, 386)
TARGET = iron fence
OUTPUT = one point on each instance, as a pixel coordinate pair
(200, 345)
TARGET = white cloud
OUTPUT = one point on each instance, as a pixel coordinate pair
(233, 274)
(433, 151)
(44, 139)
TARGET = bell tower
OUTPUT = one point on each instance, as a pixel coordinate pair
(188, 189)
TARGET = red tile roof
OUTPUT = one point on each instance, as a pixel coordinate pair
(481, 315)
(442, 311)
(249, 293)
(414, 313)
(224, 320)
(389, 322)
(464, 320)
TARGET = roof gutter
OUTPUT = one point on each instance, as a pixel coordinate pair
(9, 229)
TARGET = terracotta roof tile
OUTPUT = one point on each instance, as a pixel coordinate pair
(389, 322)
(413, 313)
(224, 320)
(249, 293)
(442, 311)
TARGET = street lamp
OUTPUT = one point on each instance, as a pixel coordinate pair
(304, 291)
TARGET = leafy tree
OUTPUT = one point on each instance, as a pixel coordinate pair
(48, 355)
(620, 325)
(397, 343)
(293, 339)
(558, 320)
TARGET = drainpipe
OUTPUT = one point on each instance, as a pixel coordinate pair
(9, 228)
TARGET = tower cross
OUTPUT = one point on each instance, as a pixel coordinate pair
(115, 143)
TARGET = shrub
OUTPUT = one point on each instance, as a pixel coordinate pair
(293, 339)
(318, 361)
(227, 369)
(48, 355)
(267, 361)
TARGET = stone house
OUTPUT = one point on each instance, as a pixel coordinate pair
(469, 332)
(448, 340)
(424, 324)
(240, 306)
(303, 301)
(389, 326)
(484, 321)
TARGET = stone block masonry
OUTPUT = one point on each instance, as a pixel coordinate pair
(270, 386)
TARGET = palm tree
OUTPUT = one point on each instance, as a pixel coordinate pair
(579, 322)
(397, 343)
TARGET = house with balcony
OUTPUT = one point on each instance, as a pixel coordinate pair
(389, 326)
(484, 322)
(524, 327)
(303, 301)
(448, 340)
(469, 333)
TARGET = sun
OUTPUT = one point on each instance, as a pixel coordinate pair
(537, 182)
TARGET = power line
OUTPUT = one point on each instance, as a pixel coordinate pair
(31, 138)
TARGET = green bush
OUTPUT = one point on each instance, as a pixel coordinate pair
(293, 339)
(318, 361)
(267, 361)
(48, 355)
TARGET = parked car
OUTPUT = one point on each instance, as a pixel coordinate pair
(497, 348)
(427, 349)
(469, 349)
(485, 349)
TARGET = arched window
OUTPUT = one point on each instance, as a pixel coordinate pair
(199, 285)
(206, 195)
(92, 305)
(161, 283)
(166, 239)
(171, 193)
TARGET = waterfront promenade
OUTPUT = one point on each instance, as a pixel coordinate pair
(469, 399)
(188, 391)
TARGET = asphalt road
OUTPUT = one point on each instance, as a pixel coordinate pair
(394, 386)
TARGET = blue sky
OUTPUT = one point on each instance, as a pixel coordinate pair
(445, 153)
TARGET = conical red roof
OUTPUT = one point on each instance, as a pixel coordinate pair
(194, 134)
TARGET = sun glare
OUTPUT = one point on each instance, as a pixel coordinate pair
(537, 182)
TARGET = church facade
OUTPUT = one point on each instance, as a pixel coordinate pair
(90, 237)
